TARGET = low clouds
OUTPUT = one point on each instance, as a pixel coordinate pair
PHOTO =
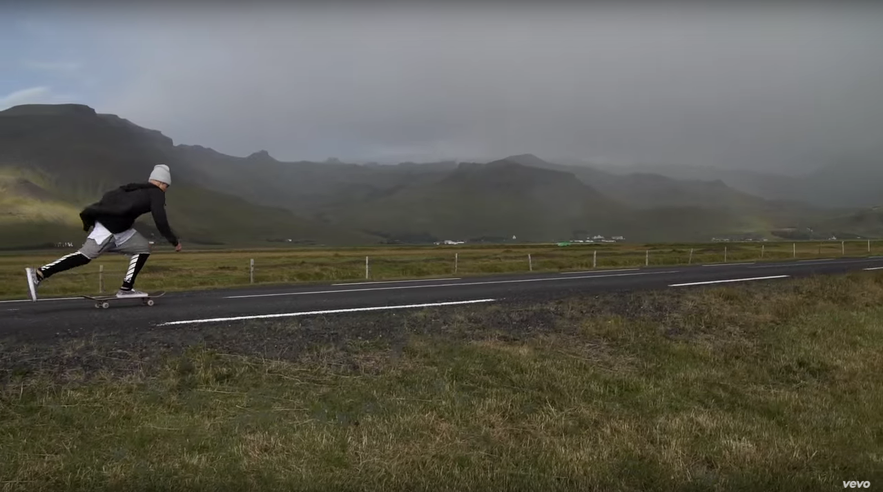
(753, 87)
(31, 95)
(35, 95)
(53, 66)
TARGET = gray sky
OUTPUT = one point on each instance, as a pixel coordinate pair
(757, 87)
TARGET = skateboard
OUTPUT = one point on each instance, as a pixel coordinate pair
(103, 302)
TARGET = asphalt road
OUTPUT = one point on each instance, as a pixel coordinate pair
(51, 317)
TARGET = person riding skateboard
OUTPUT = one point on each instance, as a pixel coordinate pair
(111, 220)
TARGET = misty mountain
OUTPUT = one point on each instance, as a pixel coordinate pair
(499, 199)
(56, 158)
(847, 183)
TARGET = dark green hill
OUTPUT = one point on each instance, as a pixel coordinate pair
(56, 159)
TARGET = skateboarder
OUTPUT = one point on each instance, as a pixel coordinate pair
(111, 220)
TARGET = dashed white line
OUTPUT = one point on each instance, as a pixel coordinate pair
(727, 264)
(329, 311)
(601, 271)
(729, 281)
(461, 284)
(397, 281)
(873, 268)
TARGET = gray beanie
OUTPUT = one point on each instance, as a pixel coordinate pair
(162, 174)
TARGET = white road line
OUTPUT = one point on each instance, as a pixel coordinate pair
(727, 264)
(804, 262)
(397, 281)
(728, 281)
(601, 271)
(42, 300)
(463, 284)
(820, 260)
(873, 268)
(329, 311)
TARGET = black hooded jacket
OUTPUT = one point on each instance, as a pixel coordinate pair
(119, 208)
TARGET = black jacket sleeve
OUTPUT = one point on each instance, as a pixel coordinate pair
(158, 209)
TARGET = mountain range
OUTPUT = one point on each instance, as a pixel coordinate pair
(55, 159)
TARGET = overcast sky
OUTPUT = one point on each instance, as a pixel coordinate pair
(755, 87)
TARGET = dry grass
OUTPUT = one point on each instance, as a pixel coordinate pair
(213, 268)
(762, 388)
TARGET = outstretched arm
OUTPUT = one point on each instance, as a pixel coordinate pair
(158, 208)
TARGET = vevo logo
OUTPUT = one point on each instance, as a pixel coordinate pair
(853, 484)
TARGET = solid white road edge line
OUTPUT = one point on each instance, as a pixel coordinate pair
(329, 311)
(601, 271)
(463, 284)
(726, 264)
(42, 300)
(873, 268)
(728, 281)
(396, 281)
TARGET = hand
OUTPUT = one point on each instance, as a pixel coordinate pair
(178, 247)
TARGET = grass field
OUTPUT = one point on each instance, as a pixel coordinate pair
(768, 387)
(213, 268)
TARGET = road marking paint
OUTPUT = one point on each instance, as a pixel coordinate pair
(873, 268)
(329, 311)
(728, 281)
(42, 300)
(397, 281)
(804, 263)
(820, 260)
(601, 271)
(727, 264)
(463, 284)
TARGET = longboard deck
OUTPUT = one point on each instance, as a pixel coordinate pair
(104, 301)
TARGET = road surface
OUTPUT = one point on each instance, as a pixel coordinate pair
(48, 317)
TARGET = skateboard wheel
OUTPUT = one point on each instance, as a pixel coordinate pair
(149, 302)
(105, 305)
(97, 305)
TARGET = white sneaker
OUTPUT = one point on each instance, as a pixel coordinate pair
(130, 293)
(33, 282)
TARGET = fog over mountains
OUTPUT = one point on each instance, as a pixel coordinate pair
(57, 158)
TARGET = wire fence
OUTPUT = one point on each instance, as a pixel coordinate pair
(224, 269)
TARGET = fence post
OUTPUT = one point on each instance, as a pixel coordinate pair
(647, 258)
(762, 250)
(794, 249)
(529, 262)
(456, 262)
(595, 259)
(251, 271)
(690, 261)
(842, 248)
(869, 246)
(725, 254)
(366, 268)
(101, 279)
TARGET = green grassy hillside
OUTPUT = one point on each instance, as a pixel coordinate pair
(54, 160)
